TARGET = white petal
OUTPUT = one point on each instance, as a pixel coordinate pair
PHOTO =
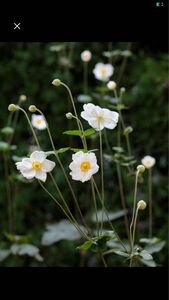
(29, 174)
(48, 165)
(38, 156)
(27, 162)
(41, 175)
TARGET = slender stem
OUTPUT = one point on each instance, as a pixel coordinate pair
(8, 193)
(106, 213)
(150, 201)
(95, 205)
(103, 260)
(134, 207)
(62, 168)
(122, 200)
(61, 207)
(64, 202)
(133, 238)
(72, 101)
(123, 64)
(85, 70)
(102, 174)
(107, 142)
(34, 134)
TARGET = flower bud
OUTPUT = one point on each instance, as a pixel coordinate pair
(111, 85)
(32, 108)
(22, 98)
(69, 116)
(12, 107)
(148, 161)
(56, 82)
(140, 168)
(122, 91)
(128, 130)
(86, 56)
(141, 205)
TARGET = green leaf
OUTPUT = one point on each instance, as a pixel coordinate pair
(112, 215)
(62, 150)
(148, 263)
(118, 149)
(83, 150)
(7, 130)
(84, 98)
(155, 247)
(121, 253)
(145, 255)
(20, 239)
(87, 132)
(86, 245)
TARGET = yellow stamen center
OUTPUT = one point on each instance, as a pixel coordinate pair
(38, 121)
(36, 165)
(100, 118)
(85, 166)
(103, 72)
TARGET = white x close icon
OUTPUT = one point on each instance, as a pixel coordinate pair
(17, 26)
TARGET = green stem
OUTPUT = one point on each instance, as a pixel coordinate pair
(122, 200)
(103, 260)
(29, 122)
(62, 168)
(134, 208)
(8, 193)
(85, 70)
(150, 201)
(61, 208)
(95, 205)
(123, 66)
(64, 202)
(106, 213)
(133, 238)
(102, 174)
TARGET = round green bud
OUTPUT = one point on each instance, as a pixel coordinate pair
(12, 107)
(128, 130)
(140, 168)
(69, 116)
(141, 205)
(56, 82)
(32, 108)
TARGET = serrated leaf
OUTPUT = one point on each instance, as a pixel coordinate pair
(86, 246)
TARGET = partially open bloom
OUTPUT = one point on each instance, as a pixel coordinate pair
(38, 122)
(83, 166)
(86, 56)
(148, 161)
(36, 166)
(98, 117)
(103, 71)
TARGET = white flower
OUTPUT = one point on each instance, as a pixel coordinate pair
(83, 166)
(26, 249)
(36, 166)
(86, 56)
(148, 161)
(98, 117)
(111, 85)
(103, 71)
(38, 122)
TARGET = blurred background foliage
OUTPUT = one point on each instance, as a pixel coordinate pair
(29, 68)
